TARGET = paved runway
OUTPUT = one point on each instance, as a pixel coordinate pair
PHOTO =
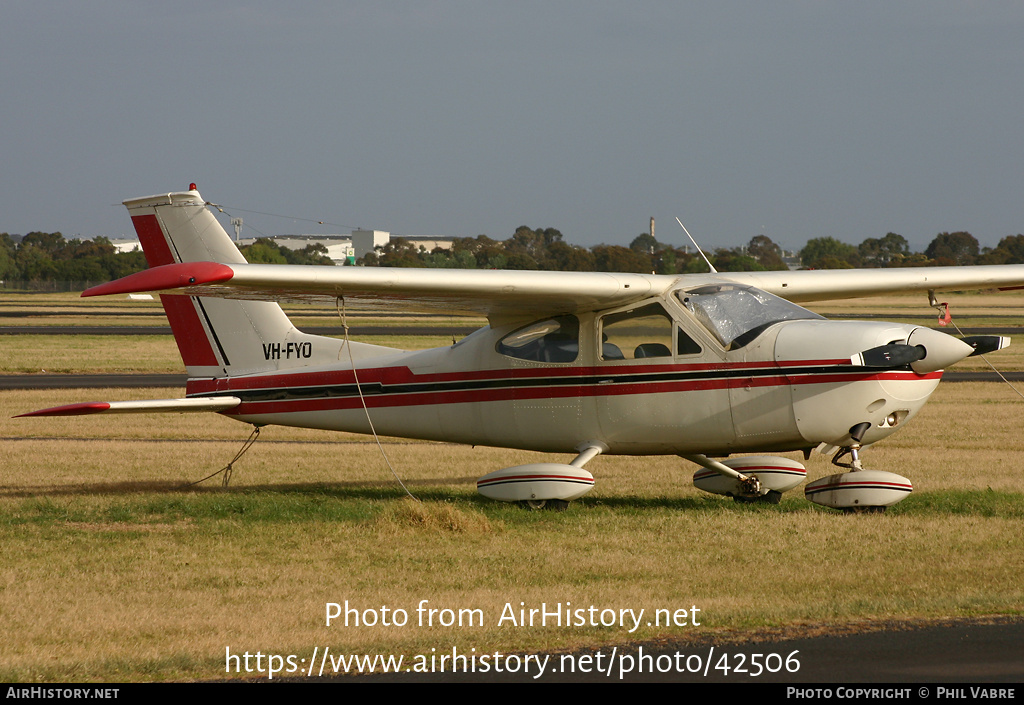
(938, 652)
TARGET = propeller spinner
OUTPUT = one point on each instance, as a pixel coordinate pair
(926, 350)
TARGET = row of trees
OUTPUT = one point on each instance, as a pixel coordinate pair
(546, 249)
(42, 256)
(266, 251)
(947, 249)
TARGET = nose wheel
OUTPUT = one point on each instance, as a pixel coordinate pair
(552, 505)
(859, 491)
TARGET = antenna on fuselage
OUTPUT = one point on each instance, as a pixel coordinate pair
(713, 270)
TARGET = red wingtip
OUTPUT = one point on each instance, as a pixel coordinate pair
(167, 276)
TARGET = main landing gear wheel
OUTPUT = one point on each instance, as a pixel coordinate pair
(553, 505)
(864, 510)
(770, 497)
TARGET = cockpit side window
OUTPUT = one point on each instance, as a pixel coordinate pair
(554, 339)
(644, 332)
(737, 314)
(685, 345)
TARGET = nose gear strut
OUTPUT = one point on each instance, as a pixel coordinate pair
(853, 450)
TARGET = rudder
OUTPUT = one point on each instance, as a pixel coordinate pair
(216, 337)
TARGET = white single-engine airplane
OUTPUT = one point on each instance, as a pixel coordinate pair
(700, 366)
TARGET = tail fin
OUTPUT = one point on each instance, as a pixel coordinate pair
(217, 337)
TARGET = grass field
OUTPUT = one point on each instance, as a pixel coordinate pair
(114, 570)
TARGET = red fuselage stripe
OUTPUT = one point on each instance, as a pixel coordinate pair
(569, 390)
(403, 375)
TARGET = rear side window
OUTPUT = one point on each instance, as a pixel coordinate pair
(555, 339)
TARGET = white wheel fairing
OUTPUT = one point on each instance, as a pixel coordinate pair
(864, 488)
(536, 482)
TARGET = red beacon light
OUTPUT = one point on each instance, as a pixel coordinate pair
(191, 187)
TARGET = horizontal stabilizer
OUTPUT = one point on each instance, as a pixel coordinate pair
(190, 404)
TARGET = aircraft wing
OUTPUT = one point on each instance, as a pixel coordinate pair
(502, 293)
(481, 291)
(829, 284)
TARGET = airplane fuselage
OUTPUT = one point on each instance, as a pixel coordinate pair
(647, 378)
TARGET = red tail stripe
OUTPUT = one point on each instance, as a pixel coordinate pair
(192, 339)
(189, 334)
(154, 244)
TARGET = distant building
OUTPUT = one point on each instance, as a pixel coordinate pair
(347, 249)
(127, 245)
(339, 247)
(792, 260)
(427, 243)
(365, 241)
(342, 249)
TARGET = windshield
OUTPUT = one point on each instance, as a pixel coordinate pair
(737, 314)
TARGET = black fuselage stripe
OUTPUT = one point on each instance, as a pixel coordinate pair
(372, 388)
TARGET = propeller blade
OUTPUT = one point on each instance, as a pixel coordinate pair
(984, 344)
(891, 355)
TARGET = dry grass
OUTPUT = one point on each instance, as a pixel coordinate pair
(113, 571)
(29, 354)
(966, 306)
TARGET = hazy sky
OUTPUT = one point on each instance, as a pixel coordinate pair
(795, 119)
